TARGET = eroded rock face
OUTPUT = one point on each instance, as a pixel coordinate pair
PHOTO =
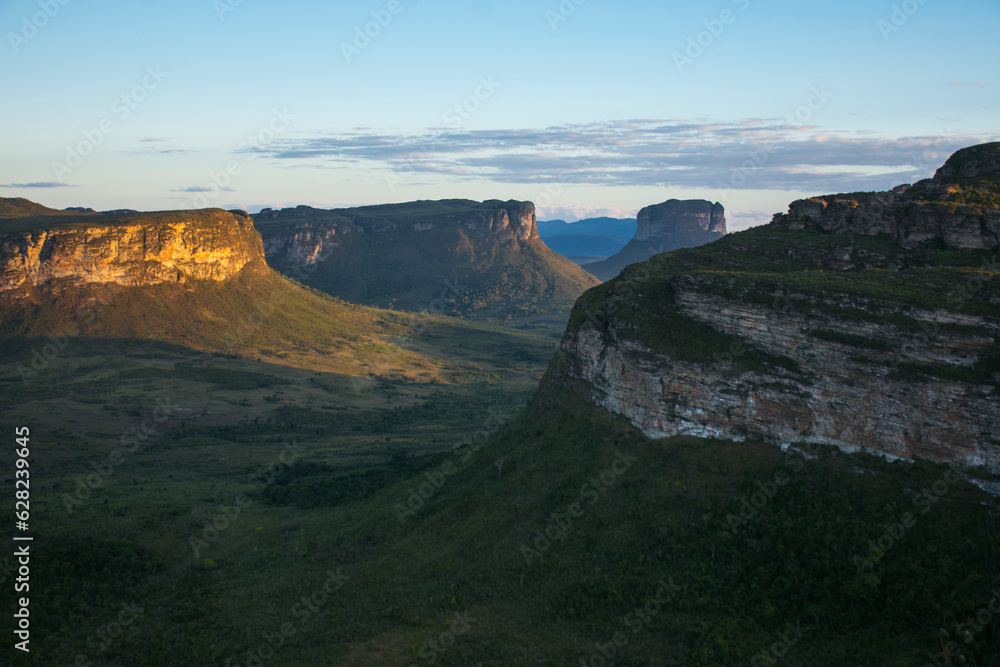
(840, 396)
(672, 225)
(799, 335)
(312, 240)
(957, 207)
(130, 250)
(681, 224)
(507, 223)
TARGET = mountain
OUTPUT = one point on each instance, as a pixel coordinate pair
(458, 257)
(862, 321)
(18, 207)
(664, 227)
(602, 226)
(588, 240)
(575, 246)
(127, 250)
(194, 279)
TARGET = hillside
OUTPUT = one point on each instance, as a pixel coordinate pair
(18, 207)
(457, 257)
(195, 279)
(864, 321)
(664, 227)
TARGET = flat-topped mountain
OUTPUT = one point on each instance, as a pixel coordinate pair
(664, 227)
(54, 253)
(867, 321)
(959, 206)
(195, 279)
(460, 257)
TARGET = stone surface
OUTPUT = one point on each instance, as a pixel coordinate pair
(957, 207)
(838, 398)
(664, 227)
(831, 362)
(128, 250)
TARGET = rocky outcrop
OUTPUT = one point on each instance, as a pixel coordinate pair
(681, 224)
(460, 257)
(129, 250)
(958, 207)
(839, 394)
(867, 338)
(664, 227)
(303, 235)
(507, 223)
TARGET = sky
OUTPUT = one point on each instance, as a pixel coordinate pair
(585, 107)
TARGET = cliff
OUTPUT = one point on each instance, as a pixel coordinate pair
(860, 326)
(51, 254)
(959, 206)
(477, 259)
(664, 227)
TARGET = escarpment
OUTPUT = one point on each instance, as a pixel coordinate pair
(51, 254)
(664, 227)
(460, 257)
(849, 321)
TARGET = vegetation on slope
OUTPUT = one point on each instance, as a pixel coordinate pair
(445, 268)
(565, 537)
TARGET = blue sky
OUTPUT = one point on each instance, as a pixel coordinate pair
(596, 108)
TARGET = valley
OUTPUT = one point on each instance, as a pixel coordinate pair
(775, 447)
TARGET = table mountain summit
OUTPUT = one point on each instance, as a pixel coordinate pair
(664, 227)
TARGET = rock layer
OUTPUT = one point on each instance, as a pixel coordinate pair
(862, 322)
(129, 250)
(664, 227)
(958, 206)
(460, 257)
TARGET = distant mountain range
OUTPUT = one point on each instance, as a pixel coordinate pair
(587, 240)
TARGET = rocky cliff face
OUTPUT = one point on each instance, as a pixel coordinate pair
(664, 227)
(481, 259)
(681, 224)
(303, 236)
(130, 250)
(813, 329)
(958, 207)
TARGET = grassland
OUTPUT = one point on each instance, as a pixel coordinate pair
(251, 483)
